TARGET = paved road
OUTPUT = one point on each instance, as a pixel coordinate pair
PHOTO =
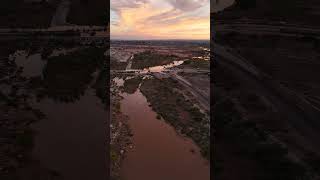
(228, 55)
(202, 98)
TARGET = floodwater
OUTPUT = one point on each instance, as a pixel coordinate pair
(162, 68)
(159, 153)
(72, 139)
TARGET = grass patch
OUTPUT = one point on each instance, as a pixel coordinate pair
(149, 59)
(131, 85)
(67, 76)
(114, 156)
(116, 65)
(201, 64)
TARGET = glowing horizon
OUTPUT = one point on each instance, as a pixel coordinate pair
(160, 19)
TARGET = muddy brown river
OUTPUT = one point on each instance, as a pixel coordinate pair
(72, 139)
(159, 153)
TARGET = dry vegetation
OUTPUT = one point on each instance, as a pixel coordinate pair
(174, 108)
(149, 59)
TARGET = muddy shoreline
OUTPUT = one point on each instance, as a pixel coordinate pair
(170, 151)
(126, 147)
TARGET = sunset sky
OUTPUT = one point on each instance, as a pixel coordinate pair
(160, 19)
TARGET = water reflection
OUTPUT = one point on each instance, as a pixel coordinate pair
(159, 152)
(72, 139)
(71, 90)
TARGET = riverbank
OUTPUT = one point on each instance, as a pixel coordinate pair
(121, 135)
(154, 136)
(159, 109)
(167, 98)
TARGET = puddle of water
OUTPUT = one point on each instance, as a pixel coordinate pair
(32, 65)
(72, 140)
(159, 152)
(161, 68)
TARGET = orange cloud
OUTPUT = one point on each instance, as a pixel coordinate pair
(149, 22)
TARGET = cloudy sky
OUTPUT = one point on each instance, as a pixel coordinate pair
(160, 19)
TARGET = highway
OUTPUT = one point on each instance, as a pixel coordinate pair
(249, 28)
